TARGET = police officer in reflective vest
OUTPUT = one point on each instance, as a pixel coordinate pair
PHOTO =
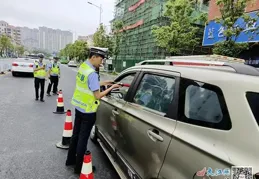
(86, 101)
(54, 75)
(40, 74)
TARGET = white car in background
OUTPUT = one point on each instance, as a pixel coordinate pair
(22, 65)
(72, 64)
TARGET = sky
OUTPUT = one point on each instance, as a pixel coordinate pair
(77, 16)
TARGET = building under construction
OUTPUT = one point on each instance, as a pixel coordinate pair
(138, 43)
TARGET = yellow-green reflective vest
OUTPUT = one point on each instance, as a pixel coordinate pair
(54, 69)
(83, 97)
(40, 73)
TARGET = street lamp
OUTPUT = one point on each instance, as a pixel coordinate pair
(99, 7)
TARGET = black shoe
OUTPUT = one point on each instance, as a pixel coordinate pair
(48, 94)
(70, 163)
(36, 99)
(42, 100)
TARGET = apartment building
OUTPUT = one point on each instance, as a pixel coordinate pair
(11, 31)
(88, 39)
(30, 38)
(53, 40)
(139, 16)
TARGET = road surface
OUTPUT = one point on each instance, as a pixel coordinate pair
(29, 131)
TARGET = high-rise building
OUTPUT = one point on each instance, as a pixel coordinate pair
(44, 38)
(88, 39)
(53, 40)
(30, 38)
(213, 32)
(138, 17)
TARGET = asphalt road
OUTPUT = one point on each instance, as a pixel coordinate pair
(29, 131)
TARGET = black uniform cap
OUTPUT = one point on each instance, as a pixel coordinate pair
(56, 58)
(99, 51)
(41, 56)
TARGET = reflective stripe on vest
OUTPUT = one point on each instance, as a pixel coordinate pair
(40, 73)
(54, 69)
(83, 97)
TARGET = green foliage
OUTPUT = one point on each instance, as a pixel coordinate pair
(100, 37)
(181, 33)
(230, 48)
(231, 11)
(20, 50)
(79, 50)
(5, 44)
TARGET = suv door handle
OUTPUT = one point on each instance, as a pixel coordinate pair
(154, 135)
(114, 112)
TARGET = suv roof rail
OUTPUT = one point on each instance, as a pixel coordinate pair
(243, 69)
(194, 60)
(209, 58)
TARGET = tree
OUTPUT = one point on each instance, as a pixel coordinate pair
(181, 32)
(231, 11)
(79, 49)
(5, 44)
(100, 37)
(118, 33)
(20, 50)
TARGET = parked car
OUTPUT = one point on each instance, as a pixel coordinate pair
(22, 65)
(177, 122)
(72, 64)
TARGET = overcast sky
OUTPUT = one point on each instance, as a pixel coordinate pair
(74, 15)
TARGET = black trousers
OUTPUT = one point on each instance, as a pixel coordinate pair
(39, 83)
(53, 81)
(78, 144)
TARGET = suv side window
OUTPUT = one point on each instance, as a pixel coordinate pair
(155, 92)
(127, 81)
(203, 104)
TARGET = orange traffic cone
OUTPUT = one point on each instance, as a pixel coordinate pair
(67, 132)
(87, 168)
(60, 104)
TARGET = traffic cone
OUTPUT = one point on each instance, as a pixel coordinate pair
(67, 132)
(87, 168)
(60, 104)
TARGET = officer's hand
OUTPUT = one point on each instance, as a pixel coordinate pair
(116, 86)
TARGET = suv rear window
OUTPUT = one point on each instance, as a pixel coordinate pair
(253, 100)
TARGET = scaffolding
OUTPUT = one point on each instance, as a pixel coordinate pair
(138, 43)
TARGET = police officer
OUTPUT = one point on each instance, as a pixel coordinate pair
(86, 101)
(40, 74)
(54, 75)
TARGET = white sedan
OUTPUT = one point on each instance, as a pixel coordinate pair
(22, 65)
(72, 64)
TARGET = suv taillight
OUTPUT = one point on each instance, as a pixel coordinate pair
(15, 64)
(30, 65)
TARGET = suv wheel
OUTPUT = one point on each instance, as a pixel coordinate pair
(93, 135)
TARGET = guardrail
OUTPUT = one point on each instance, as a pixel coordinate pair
(5, 67)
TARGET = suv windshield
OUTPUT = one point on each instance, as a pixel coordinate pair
(253, 100)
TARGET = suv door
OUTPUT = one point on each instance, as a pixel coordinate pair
(146, 124)
(197, 149)
(111, 105)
